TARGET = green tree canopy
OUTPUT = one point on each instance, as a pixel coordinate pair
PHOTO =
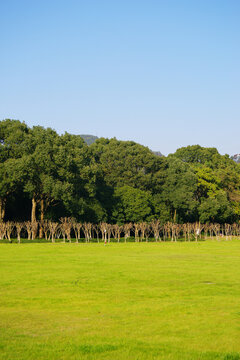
(132, 205)
(112, 180)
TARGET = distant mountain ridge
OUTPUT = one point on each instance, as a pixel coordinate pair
(89, 139)
(158, 153)
(236, 158)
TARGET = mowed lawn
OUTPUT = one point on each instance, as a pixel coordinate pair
(120, 301)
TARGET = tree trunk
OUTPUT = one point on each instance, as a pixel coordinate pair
(34, 206)
(2, 209)
(41, 218)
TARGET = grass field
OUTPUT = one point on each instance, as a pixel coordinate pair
(120, 301)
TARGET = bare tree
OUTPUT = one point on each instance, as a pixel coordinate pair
(136, 227)
(189, 231)
(116, 230)
(178, 229)
(87, 229)
(19, 226)
(173, 231)
(62, 229)
(53, 226)
(9, 229)
(127, 230)
(205, 229)
(66, 227)
(109, 232)
(167, 230)
(184, 231)
(235, 229)
(143, 227)
(77, 229)
(148, 231)
(216, 229)
(45, 229)
(34, 229)
(156, 227)
(2, 230)
(210, 228)
(28, 227)
(228, 231)
(96, 228)
(89, 226)
(103, 229)
(59, 232)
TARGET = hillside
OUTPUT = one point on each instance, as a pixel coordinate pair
(236, 158)
(158, 153)
(89, 139)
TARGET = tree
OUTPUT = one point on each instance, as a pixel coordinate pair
(127, 163)
(216, 209)
(13, 134)
(179, 190)
(39, 172)
(131, 205)
(217, 174)
(76, 186)
(8, 183)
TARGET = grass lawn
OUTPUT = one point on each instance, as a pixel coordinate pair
(121, 301)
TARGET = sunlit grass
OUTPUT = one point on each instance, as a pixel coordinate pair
(121, 301)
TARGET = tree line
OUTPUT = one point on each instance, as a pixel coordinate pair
(68, 229)
(45, 176)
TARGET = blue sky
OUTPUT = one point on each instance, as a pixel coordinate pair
(165, 74)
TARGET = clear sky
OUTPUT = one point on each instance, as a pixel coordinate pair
(164, 73)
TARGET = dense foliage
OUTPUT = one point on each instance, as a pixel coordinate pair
(44, 175)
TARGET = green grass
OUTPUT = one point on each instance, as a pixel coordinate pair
(120, 301)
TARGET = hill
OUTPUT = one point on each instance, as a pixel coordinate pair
(158, 153)
(236, 158)
(89, 139)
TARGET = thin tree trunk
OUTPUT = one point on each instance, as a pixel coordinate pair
(41, 218)
(2, 209)
(34, 206)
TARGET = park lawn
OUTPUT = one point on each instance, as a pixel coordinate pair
(121, 301)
